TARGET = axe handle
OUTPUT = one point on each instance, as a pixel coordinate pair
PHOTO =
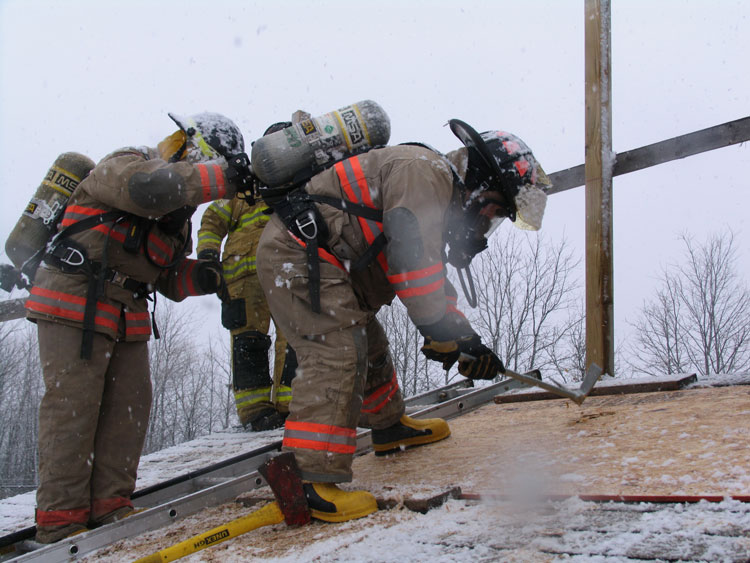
(269, 514)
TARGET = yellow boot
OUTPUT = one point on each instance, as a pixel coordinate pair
(408, 432)
(329, 503)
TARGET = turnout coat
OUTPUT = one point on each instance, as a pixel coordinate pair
(138, 183)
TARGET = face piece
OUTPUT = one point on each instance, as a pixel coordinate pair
(478, 221)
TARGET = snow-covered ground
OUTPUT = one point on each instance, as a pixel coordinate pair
(17, 512)
(570, 530)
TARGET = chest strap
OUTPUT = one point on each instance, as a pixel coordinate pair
(300, 215)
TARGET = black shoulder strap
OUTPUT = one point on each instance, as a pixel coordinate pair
(349, 207)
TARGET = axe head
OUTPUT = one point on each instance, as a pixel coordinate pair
(282, 475)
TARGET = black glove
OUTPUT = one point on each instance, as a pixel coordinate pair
(475, 360)
(240, 176)
(11, 278)
(480, 363)
(209, 276)
(209, 254)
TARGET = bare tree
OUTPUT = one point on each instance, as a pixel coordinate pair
(21, 389)
(699, 319)
(529, 311)
(415, 374)
(528, 301)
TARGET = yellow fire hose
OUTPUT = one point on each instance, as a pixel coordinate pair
(269, 514)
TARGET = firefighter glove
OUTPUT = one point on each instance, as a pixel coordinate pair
(239, 175)
(480, 363)
(209, 276)
(210, 254)
(475, 360)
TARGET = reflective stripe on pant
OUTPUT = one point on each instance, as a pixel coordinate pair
(92, 421)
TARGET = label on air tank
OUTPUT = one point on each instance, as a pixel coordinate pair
(327, 142)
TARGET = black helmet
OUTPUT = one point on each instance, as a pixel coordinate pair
(503, 164)
(498, 161)
(210, 135)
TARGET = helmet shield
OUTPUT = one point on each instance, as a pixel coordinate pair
(210, 136)
(501, 162)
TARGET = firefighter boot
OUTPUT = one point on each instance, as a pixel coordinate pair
(267, 419)
(52, 534)
(409, 432)
(329, 503)
(252, 382)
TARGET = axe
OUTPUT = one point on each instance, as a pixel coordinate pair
(282, 475)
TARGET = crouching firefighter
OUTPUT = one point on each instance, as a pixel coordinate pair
(124, 234)
(378, 225)
(262, 402)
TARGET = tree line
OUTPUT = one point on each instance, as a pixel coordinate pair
(529, 310)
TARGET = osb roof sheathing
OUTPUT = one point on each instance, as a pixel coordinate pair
(686, 442)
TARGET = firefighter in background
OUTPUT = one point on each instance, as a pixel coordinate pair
(398, 208)
(262, 402)
(89, 301)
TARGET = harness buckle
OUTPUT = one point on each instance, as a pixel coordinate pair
(118, 278)
(73, 257)
(307, 221)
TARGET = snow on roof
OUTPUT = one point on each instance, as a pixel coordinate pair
(496, 528)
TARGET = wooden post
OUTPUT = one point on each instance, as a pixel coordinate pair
(598, 168)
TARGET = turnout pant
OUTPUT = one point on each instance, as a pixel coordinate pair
(92, 424)
(345, 377)
(248, 319)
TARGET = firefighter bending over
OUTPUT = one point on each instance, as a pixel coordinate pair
(383, 220)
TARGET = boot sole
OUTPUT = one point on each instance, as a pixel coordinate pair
(393, 447)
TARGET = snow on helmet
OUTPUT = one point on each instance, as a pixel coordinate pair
(503, 163)
(210, 135)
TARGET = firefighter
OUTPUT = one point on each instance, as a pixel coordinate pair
(383, 220)
(124, 234)
(262, 403)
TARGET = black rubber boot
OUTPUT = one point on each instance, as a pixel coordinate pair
(409, 432)
(268, 419)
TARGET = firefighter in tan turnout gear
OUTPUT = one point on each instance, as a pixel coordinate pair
(384, 219)
(262, 402)
(124, 234)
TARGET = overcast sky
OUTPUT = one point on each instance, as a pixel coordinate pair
(92, 76)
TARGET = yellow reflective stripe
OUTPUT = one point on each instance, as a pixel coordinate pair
(249, 218)
(224, 211)
(202, 144)
(252, 396)
(234, 268)
(284, 394)
(208, 238)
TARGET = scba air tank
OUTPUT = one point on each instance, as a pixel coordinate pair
(308, 147)
(39, 220)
